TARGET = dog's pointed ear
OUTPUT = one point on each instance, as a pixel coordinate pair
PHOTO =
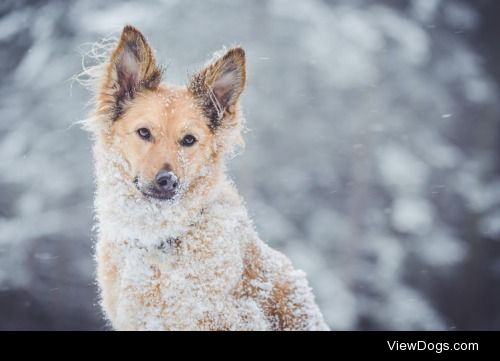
(131, 69)
(219, 85)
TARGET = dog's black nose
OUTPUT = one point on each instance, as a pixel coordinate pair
(166, 180)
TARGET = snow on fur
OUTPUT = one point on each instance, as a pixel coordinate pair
(196, 283)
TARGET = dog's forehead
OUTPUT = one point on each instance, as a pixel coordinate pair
(168, 100)
(170, 105)
(172, 96)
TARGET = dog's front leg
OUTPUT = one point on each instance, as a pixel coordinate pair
(107, 277)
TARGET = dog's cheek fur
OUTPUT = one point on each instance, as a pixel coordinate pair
(201, 166)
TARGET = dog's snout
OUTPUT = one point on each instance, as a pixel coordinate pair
(166, 180)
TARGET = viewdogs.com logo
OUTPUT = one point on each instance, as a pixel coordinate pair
(437, 347)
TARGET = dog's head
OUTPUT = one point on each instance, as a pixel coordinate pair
(172, 138)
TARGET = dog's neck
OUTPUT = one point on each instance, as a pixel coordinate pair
(124, 214)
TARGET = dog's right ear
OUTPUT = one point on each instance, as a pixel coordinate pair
(131, 69)
(219, 85)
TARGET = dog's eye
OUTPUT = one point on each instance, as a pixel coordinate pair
(188, 140)
(144, 133)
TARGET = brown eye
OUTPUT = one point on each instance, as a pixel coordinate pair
(144, 133)
(188, 140)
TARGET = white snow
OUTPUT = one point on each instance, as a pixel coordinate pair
(412, 215)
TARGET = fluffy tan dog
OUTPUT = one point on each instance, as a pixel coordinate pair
(176, 248)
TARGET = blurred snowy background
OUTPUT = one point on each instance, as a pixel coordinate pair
(371, 158)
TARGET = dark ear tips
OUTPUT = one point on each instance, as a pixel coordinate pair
(130, 29)
(133, 39)
(132, 42)
(236, 53)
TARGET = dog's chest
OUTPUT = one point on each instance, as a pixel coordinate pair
(136, 259)
(180, 263)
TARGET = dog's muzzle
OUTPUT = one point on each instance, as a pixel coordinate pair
(165, 185)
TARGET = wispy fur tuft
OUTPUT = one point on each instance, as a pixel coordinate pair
(95, 57)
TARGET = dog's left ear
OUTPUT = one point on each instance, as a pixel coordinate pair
(219, 85)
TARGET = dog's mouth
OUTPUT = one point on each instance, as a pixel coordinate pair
(152, 192)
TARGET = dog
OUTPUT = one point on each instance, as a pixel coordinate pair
(176, 249)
